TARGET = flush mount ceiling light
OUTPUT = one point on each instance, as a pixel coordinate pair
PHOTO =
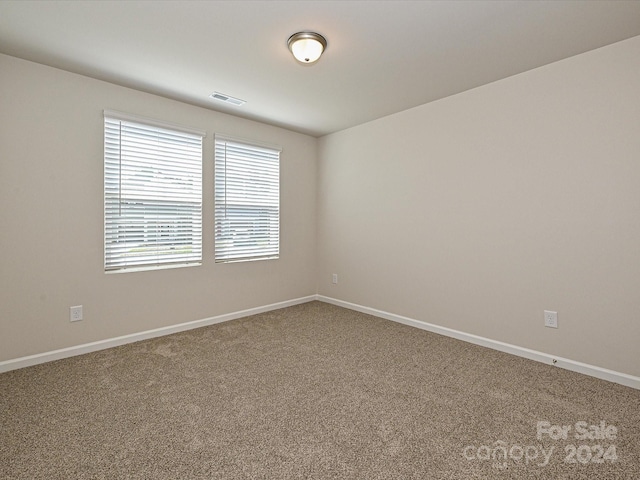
(307, 46)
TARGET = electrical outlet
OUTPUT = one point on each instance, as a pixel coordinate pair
(75, 313)
(550, 319)
(334, 278)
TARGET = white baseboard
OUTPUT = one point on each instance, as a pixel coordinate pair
(567, 364)
(31, 360)
(591, 370)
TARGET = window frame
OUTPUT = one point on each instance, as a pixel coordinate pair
(151, 190)
(256, 216)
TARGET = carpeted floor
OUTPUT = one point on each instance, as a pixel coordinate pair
(312, 391)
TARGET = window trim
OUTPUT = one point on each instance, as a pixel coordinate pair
(141, 264)
(127, 117)
(243, 142)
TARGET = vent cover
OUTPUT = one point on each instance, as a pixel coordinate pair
(227, 99)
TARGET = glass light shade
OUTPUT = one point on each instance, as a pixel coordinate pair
(307, 46)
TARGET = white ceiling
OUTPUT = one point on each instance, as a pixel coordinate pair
(382, 56)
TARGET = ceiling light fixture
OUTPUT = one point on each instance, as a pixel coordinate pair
(307, 46)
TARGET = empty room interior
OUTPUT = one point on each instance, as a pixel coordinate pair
(321, 239)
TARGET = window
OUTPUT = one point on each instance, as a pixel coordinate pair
(152, 194)
(247, 200)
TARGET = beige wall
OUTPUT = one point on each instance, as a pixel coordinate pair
(479, 211)
(475, 213)
(51, 220)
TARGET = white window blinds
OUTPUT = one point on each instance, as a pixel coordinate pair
(152, 194)
(247, 201)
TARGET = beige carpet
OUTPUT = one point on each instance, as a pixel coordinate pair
(311, 391)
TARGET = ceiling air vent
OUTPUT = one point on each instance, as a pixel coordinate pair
(227, 99)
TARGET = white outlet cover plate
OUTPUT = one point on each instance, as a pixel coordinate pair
(550, 319)
(75, 313)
